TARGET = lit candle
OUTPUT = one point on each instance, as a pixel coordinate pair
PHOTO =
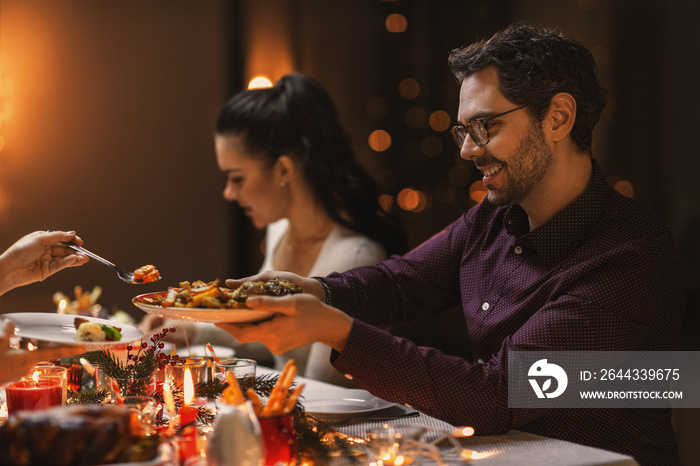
(188, 414)
(460, 432)
(31, 395)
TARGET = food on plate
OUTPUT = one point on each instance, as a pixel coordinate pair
(211, 295)
(85, 302)
(92, 331)
(75, 435)
(147, 274)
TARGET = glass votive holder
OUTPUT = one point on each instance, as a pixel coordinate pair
(199, 369)
(145, 408)
(242, 369)
(279, 440)
(130, 385)
(56, 371)
(33, 394)
(394, 445)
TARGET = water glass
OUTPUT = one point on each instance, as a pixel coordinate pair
(145, 407)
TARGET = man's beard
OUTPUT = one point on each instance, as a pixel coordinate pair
(526, 169)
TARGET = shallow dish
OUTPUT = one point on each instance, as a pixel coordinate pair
(60, 328)
(200, 314)
(342, 401)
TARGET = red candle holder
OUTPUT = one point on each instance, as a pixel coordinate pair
(27, 395)
(279, 440)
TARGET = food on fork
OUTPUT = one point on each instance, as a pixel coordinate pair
(92, 331)
(146, 274)
(211, 295)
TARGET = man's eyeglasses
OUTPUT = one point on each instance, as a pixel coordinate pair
(478, 129)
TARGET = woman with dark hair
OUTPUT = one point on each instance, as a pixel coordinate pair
(290, 167)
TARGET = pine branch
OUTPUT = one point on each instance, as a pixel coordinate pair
(87, 397)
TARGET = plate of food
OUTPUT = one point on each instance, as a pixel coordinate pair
(69, 329)
(342, 401)
(208, 302)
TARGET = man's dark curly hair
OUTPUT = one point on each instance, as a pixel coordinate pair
(534, 64)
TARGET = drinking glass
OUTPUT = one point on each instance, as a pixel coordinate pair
(145, 408)
(279, 441)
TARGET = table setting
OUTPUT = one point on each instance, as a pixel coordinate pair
(163, 405)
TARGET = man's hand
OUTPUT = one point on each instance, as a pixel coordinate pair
(308, 285)
(300, 319)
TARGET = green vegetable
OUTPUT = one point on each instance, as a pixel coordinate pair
(112, 333)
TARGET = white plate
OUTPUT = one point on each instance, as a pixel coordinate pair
(342, 401)
(60, 328)
(200, 314)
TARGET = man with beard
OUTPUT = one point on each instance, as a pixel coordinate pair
(553, 259)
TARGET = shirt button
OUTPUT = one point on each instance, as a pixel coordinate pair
(518, 250)
(348, 376)
(485, 306)
(480, 361)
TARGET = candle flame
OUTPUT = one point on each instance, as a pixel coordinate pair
(62, 305)
(35, 377)
(188, 387)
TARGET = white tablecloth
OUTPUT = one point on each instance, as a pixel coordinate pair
(514, 448)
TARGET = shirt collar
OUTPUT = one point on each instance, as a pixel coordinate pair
(568, 228)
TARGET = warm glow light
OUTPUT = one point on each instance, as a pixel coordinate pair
(463, 431)
(439, 120)
(477, 191)
(379, 140)
(396, 23)
(188, 387)
(625, 188)
(386, 201)
(259, 82)
(35, 376)
(62, 304)
(411, 199)
(31, 347)
(409, 88)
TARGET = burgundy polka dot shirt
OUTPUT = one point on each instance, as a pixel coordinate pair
(602, 275)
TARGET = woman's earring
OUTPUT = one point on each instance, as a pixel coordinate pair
(283, 183)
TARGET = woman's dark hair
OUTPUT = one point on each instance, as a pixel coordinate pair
(534, 64)
(297, 117)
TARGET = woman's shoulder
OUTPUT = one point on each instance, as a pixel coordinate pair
(345, 249)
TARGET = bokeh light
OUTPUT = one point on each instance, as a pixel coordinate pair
(386, 202)
(412, 200)
(259, 82)
(396, 23)
(439, 120)
(416, 117)
(379, 140)
(624, 187)
(409, 88)
(477, 191)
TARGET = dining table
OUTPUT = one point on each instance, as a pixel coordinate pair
(513, 448)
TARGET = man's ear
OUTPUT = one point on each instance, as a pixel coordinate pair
(561, 116)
